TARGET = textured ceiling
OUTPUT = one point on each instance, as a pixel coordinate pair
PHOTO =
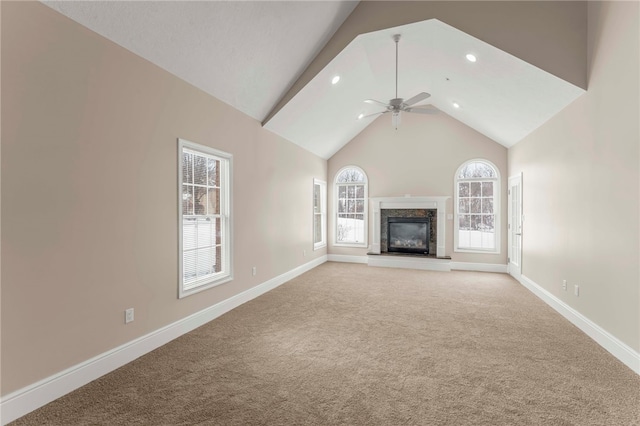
(245, 53)
(249, 53)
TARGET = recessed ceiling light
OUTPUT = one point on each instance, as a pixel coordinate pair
(471, 57)
(360, 116)
(456, 105)
(335, 79)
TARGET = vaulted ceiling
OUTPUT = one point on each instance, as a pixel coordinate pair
(275, 61)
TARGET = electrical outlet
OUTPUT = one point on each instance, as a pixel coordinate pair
(128, 316)
(576, 290)
(253, 271)
(564, 285)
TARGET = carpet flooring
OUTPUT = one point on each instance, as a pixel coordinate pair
(347, 344)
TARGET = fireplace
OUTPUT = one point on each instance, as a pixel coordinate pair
(384, 206)
(408, 234)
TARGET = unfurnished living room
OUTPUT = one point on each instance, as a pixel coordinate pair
(320, 213)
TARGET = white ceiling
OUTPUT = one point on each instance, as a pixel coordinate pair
(499, 95)
(245, 53)
(249, 53)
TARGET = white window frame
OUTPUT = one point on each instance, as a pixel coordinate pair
(336, 191)
(226, 167)
(320, 215)
(496, 207)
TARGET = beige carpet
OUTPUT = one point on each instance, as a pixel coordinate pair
(355, 345)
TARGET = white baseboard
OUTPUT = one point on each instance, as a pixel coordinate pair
(346, 258)
(23, 401)
(620, 350)
(480, 267)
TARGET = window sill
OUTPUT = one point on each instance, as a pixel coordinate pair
(359, 245)
(184, 293)
(319, 246)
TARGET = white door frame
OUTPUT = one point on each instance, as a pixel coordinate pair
(515, 217)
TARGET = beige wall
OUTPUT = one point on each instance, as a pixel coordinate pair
(420, 158)
(581, 183)
(89, 194)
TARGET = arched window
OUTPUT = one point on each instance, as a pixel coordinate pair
(350, 207)
(477, 207)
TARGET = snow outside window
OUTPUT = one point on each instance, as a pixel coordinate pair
(351, 207)
(477, 207)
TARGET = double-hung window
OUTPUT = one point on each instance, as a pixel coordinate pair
(204, 217)
(351, 207)
(477, 207)
(319, 214)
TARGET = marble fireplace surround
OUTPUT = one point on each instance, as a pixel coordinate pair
(409, 202)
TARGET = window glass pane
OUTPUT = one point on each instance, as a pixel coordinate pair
(189, 266)
(487, 189)
(360, 191)
(488, 223)
(463, 189)
(351, 191)
(360, 206)
(214, 172)
(317, 228)
(217, 230)
(487, 205)
(187, 200)
(351, 206)
(474, 205)
(189, 233)
(463, 205)
(342, 191)
(200, 200)
(205, 233)
(206, 261)
(350, 175)
(316, 198)
(475, 189)
(213, 201)
(464, 221)
(199, 170)
(476, 220)
(187, 167)
(342, 206)
(477, 170)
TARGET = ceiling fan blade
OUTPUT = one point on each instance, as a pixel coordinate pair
(375, 113)
(374, 102)
(417, 98)
(420, 110)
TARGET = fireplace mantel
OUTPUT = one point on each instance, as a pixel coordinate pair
(437, 203)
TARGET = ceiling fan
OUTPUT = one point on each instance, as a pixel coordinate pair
(397, 105)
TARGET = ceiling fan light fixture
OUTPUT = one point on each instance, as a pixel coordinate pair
(471, 57)
(395, 119)
(335, 79)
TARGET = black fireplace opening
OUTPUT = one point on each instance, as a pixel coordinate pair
(408, 234)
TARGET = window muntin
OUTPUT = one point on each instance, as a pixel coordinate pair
(204, 214)
(319, 214)
(477, 207)
(351, 207)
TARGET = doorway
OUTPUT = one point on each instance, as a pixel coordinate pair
(515, 226)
